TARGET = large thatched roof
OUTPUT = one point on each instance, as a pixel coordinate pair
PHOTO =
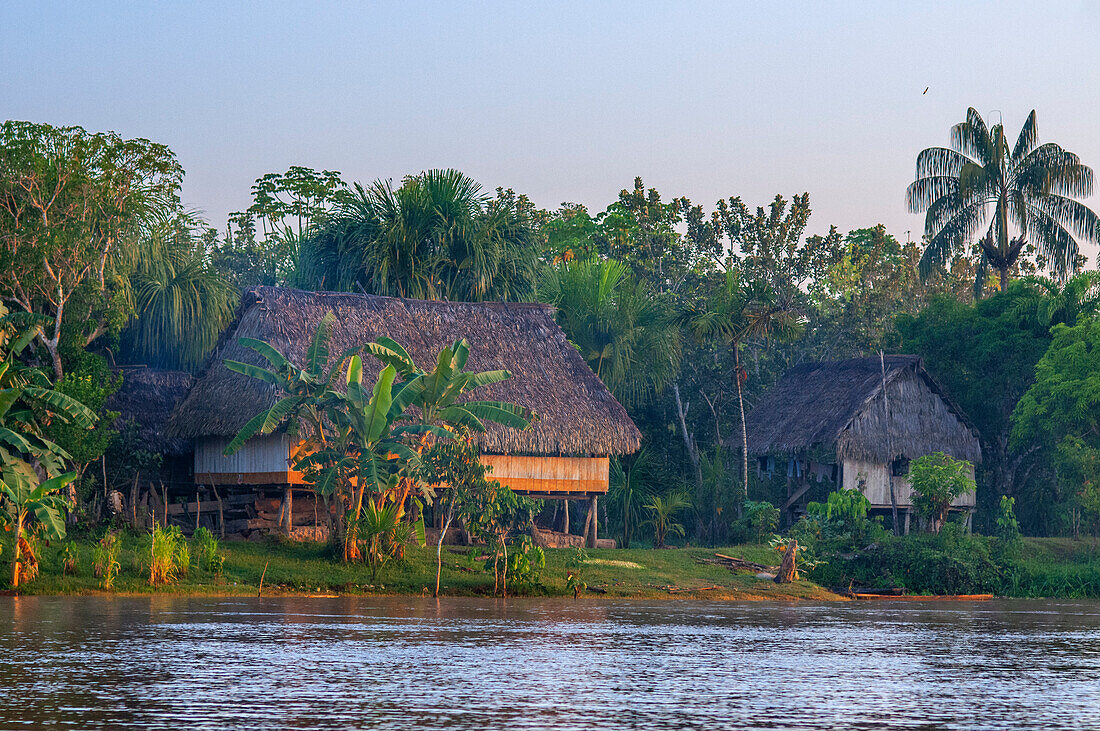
(839, 405)
(146, 398)
(576, 413)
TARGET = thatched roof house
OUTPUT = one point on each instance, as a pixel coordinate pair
(146, 399)
(823, 418)
(579, 422)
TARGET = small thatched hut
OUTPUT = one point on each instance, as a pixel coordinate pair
(563, 455)
(825, 424)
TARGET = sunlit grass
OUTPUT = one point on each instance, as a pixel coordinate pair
(304, 568)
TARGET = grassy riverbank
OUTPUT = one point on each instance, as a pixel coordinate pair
(308, 569)
(1037, 567)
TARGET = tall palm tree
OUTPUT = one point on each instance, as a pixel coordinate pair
(739, 311)
(1022, 191)
(625, 332)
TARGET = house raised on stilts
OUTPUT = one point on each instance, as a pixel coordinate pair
(564, 455)
(826, 426)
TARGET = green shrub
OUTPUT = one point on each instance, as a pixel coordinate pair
(950, 562)
(937, 480)
(758, 522)
(1008, 528)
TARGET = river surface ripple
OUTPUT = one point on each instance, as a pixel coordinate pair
(364, 663)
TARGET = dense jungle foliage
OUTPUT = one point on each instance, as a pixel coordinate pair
(688, 312)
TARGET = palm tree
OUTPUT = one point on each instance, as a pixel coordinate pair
(663, 510)
(1064, 302)
(625, 332)
(1024, 191)
(629, 491)
(181, 303)
(436, 236)
(739, 311)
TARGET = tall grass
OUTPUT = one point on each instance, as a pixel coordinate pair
(105, 563)
(170, 557)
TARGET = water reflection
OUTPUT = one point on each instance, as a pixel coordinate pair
(170, 663)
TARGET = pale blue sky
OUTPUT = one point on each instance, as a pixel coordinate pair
(562, 101)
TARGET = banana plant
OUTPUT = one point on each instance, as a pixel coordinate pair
(28, 400)
(438, 393)
(306, 393)
(29, 500)
(364, 439)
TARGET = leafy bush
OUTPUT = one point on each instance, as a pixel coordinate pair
(1008, 528)
(67, 557)
(937, 480)
(841, 523)
(525, 564)
(759, 520)
(951, 562)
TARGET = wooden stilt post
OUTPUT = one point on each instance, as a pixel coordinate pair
(221, 510)
(288, 508)
(565, 520)
(595, 521)
(589, 524)
(198, 507)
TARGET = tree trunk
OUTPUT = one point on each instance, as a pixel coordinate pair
(594, 512)
(744, 429)
(889, 448)
(1003, 272)
(439, 549)
(15, 564)
(588, 524)
(787, 571)
(693, 455)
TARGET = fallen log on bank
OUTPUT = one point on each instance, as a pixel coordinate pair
(735, 564)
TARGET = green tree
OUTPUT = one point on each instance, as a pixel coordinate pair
(736, 312)
(1061, 409)
(1026, 190)
(181, 302)
(29, 499)
(436, 236)
(630, 488)
(985, 355)
(362, 443)
(938, 480)
(73, 210)
(29, 404)
(625, 332)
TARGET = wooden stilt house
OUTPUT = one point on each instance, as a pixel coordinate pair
(564, 455)
(826, 426)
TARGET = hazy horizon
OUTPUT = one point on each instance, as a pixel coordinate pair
(562, 103)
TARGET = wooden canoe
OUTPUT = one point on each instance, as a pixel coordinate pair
(920, 598)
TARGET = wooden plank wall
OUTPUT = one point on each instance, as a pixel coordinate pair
(550, 475)
(263, 461)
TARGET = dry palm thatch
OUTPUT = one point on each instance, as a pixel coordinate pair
(147, 398)
(838, 406)
(576, 414)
